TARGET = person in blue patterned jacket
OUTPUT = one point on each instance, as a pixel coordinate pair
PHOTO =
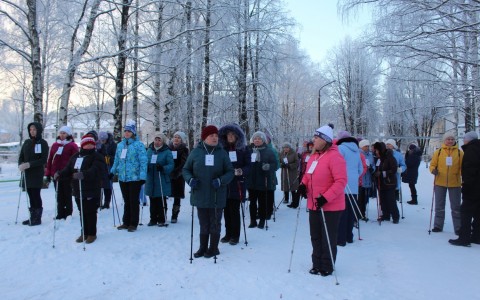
(130, 166)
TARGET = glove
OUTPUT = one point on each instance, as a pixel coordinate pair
(302, 190)
(56, 175)
(142, 182)
(238, 172)
(266, 167)
(159, 167)
(110, 176)
(216, 183)
(283, 165)
(193, 183)
(24, 166)
(48, 179)
(320, 201)
(399, 170)
(78, 176)
(435, 172)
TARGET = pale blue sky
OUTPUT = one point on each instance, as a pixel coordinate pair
(321, 28)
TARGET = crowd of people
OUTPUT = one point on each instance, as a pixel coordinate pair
(337, 175)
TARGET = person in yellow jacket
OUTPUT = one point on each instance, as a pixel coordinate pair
(446, 167)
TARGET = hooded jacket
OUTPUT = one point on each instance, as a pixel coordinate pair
(60, 154)
(386, 169)
(348, 147)
(165, 159)
(133, 167)
(290, 180)
(412, 160)
(35, 152)
(448, 176)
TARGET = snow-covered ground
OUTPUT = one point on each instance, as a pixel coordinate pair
(391, 262)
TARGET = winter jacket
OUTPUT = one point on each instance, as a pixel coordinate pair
(329, 179)
(180, 154)
(471, 171)
(303, 163)
(386, 164)
(58, 159)
(133, 167)
(367, 176)
(35, 152)
(277, 163)
(289, 174)
(412, 160)
(92, 166)
(258, 178)
(348, 147)
(401, 164)
(448, 176)
(204, 195)
(108, 150)
(165, 159)
(236, 188)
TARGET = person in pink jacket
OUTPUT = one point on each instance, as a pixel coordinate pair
(323, 185)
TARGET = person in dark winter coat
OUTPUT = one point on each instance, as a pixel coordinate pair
(131, 167)
(262, 179)
(413, 157)
(158, 187)
(367, 182)
(470, 208)
(304, 159)
(323, 185)
(271, 192)
(232, 139)
(107, 149)
(208, 171)
(84, 169)
(289, 175)
(179, 149)
(31, 162)
(60, 153)
(386, 175)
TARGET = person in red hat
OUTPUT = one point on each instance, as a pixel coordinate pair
(85, 169)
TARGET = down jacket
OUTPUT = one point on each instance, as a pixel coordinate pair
(35, 152)
(448, 176)
(329, 179)
(133, 167)
(348, 147)
(57, 161)
(164, 158)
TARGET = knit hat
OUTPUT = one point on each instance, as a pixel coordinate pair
(87, 139)
(66, 129)
(325, 133)
(261, 135)
(130, 126)
(448, 135)
(343, 134)
(470, 136)
(182, 135)
(160, 135)
(208, 130)
(103, 136)
(363, 143)
(412, 147)
(392, 142)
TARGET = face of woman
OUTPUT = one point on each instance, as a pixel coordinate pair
(127, 134)
(158, 142)
(319, 143)
(286, 149)
(62, 135)
(231, 138)
(177, 140)
(33, 131)
(257, 141)
(212, 139)
(450, 141)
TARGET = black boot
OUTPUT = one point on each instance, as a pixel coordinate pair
(413, 201)
(203, 246)
(175, 211)
(261, 224)
(29, 220)
(213, 250)
(36, 216)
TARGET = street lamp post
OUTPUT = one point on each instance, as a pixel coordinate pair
(319, 94)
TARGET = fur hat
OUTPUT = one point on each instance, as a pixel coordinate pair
(130, 126)
(470, 136)
(364, 143)
(392, 142)
(325, 133)
(448, 135)
(66, 129)
(208, 130)
(87, 139)
(182, 135)
(261, 135)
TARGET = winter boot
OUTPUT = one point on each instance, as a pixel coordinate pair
(27, 222)
(213, 250)
(261, 224)
(413, 201)
(36, 218)
(459, 242)
(90, 239)
(80, 239)
(203, 246)
(175, 211)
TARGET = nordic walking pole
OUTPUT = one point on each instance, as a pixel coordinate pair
(329, 245)
(294, 235)
(266, 204)
(356, 204)
(431, 209)
(82, 213)
(116, 207)
(379, 207)
(56, 213)
(164, 201)
(191, 233)
(400, 196)
(28, 200)
(350, 200)
(239, 185)
(20, 195)
(216, 224)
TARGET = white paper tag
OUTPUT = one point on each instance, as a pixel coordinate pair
(384, 174)
(232, 155)
(253, 157)
(174, 154)
(307, 158)
(209, 160)
(378, 163)
(123, 155)
(59, 151)
(312, 167)
(367, 162)
(78, 163)
(285, 160)
(154, 159)
(449, 161)
(38, 148)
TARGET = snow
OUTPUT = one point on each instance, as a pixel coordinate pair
(390, 262)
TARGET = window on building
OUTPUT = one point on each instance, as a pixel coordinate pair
(75, 135)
